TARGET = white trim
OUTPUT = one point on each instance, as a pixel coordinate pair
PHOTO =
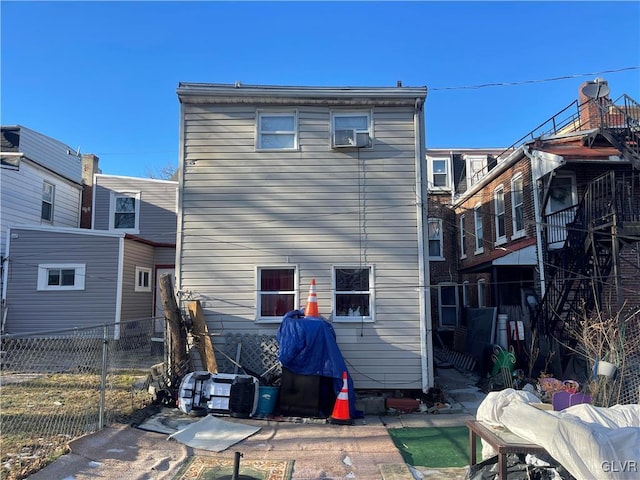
(51, 202)
(517, 233)
(474, 175)
(462, 236)
(69, 230)
(277, 113)
(431, 173)
(338, 113)
(79, 274)
(440, 239)
(500, 239)
(371, 292)
(106, 175)
(114, 195)
(466, 294)
(454, 287)
(482, 292)
(137, 287)
(258, 301)
(477, 214)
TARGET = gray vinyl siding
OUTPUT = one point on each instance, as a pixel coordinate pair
(157, 205)
(136, 305)
(165, 256)
(21, 198)
(242, 209)
(30, 310)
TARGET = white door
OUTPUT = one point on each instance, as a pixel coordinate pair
(158, 328)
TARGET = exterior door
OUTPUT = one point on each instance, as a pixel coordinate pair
(561, 208)
(158, 324)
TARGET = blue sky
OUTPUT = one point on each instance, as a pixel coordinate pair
(102, 76)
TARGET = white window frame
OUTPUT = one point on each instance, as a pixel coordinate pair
(334, 294)
(48, 190)
(476, 167)
(517, 232)
(259, 292)
(438, 238)
(442, 306)
(278, 113)
(352, 113)
(500, 212)
(463, 237)
(466, 294)
(79, 275)
(112, 211)
(432, 174)
(478, 228)
(139, 285)
(482, 293)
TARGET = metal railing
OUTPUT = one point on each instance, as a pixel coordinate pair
(59, 385)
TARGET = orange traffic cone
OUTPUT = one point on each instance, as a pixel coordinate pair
(340, 413)
(311, 310)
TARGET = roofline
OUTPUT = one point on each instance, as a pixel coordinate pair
(173, 182)
(70, 230)
(239, 93)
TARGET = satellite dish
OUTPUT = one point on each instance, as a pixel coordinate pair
(596, 89)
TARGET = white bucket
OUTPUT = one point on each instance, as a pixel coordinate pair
(502, 331)
(606, 369)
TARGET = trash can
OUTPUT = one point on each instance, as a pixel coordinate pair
(267, 399)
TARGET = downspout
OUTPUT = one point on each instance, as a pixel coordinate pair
(119, 284)
(5, 277)
(424, 280)
(538, 219)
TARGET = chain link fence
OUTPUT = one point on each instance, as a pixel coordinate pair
(59, 385)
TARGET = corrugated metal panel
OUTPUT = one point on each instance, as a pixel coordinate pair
(31, 310)
(313, 208)
(157, 205)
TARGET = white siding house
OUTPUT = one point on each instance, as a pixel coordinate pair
(282, 185)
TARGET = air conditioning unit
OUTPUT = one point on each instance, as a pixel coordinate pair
(351, 138)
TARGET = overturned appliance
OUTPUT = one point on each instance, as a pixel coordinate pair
(203, 392)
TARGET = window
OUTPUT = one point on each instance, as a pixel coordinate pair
(353, 293)
(498, 203)
(143, 279)
(466, 294)
(351, 129)
(47, 202)
(277, 131)
(125, 211)
(476, 168)
(517, 205)
(435, 239)
(477, 217)
(463, 238)
(439, 174)
(448, 305)
(482, 302)
(276, 292)
(61, 276)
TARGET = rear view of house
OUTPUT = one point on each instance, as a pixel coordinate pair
(283, 185)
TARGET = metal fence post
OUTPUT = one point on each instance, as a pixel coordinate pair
(103, 378)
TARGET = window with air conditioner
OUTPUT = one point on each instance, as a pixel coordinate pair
(351, 130)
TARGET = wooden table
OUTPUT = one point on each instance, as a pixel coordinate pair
(502, 440)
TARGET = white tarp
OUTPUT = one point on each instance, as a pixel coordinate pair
(590, 442)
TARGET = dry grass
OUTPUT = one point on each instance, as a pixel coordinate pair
(41, 415)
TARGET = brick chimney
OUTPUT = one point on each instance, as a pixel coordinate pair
(590, 94)
(89, 168)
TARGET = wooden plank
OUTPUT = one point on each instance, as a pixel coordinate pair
(203, 340)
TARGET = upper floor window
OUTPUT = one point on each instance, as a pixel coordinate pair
(439, 176)
(143, 279)
(125, 211)
(435, 239)
(482, 293)
(498, 204)
(477, 217)
(61, 276)
(353, 293)
(448, 305)
(463, 238)
(476, 168)
(276, 292)
(351, 129)
(277, 131)
(517, 205)
(48, 191)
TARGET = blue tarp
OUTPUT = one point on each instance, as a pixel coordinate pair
(308, 347)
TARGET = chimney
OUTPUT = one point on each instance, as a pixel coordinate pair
(399, 84)
(89, 169)
(591, 94)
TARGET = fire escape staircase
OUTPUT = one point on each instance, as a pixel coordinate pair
(619, 124)
(607, 217)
